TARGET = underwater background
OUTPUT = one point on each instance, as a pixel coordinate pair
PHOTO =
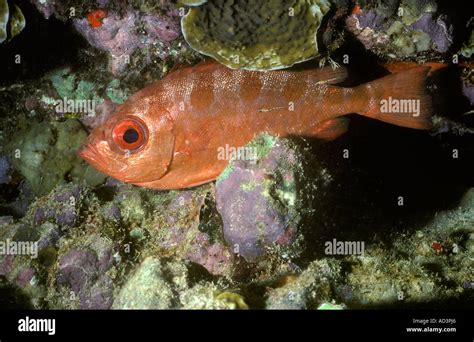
(405, 195)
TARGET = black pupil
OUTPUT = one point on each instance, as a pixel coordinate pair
(130, 136)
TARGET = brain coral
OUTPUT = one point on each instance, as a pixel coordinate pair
(256, 35)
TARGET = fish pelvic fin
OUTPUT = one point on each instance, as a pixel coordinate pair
(400, 99)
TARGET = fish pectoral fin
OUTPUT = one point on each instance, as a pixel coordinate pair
(330, 129)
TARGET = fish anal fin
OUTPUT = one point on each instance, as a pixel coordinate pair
(330, 129)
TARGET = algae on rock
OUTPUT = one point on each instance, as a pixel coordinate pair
(45, 153)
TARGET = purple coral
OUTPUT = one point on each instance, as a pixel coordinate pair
(112, 212)
(65, 194)
(380, 31)
(440, 32)
(49, 237)
(372, 19)
(160, 28)
(120, 36)
(84, 274)
(100, 297)
(185, 238)
(24, 276)
(45, 7)
(6, 265)
(468, 91)
(77, 268)
(215, 257)
(61, 208)
(254, 214)
(4, 170)
(39, 216)
(66, 217)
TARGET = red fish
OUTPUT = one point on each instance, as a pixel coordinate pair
(167, 135)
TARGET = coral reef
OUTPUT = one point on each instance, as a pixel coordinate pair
(47, 8)
(122, 35)
(433, 264)
(3, 20)
(467, 78)
(181, 233)
(255, 237)
(17, 21)
(165, 284)
(46, 152)
(245, 36)
(83, 272)
(258, 200)
(308, 290)
(4, 170)
(60, 207)
(408, 29)
(12, 21)
(468, 48)
(148, 287)
(126, 247)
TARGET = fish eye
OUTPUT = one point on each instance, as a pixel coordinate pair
(130, 134)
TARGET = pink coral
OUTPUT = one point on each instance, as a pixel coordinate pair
(122, 36)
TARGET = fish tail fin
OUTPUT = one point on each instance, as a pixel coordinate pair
(400, 99)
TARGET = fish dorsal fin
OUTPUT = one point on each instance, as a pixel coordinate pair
(178, 70)
(328, 75)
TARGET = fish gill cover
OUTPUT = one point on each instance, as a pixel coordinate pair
(342, 213)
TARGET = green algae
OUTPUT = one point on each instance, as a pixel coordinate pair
(45, 153)
(408, 42)
(233, 300)
(147, 288)
(116, 93)
(330, 306)
(68, 86)
(468, 48)
(400, 39)
(411, 11)
(263, 144)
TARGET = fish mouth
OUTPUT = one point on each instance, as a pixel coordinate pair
(91, 155)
